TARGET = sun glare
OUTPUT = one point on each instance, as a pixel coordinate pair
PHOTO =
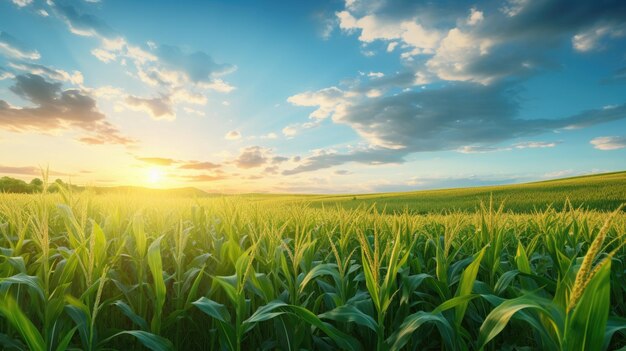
(154, 175)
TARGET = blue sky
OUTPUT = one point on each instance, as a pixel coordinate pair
(316, 97)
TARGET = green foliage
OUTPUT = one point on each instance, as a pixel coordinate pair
(102, 272)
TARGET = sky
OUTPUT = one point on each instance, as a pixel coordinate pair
(312, 96)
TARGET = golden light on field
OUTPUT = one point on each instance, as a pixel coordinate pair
(155, 176)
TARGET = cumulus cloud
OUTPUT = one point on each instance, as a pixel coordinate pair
(373, 27)
(326, 100)
(271, 170)
(198, 66)
(467, 117)
(478, 57)
(279, 159)
(485, 45)
(454, 116)
(76, 77)
(475, 17)
(232, 135)
(158, 107)
(57, 109)
(325, 159)
(11, 47)
(253, 156)
(290, 131)
(183, 77)
(609, 143)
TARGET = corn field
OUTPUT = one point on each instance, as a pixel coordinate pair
(114, 272)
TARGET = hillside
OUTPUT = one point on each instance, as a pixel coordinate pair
(597, 192)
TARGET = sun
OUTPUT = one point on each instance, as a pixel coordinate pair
(155, 175)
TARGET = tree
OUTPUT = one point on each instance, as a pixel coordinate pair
(12, 185)
(36, 185)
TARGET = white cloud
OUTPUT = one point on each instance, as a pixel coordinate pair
(475, 17)
(159, 108)
(590, 39)
(22, 3)
(327, 100)
(107, 92)
(536, 144)
(375, 74)
(218, 85)
(513, 7)
(5, 74)
(457, 49)
(103, 55)
(472, 149)
(372, 28)
(13, 48)
(271, 135)
(609, 143)
(290, 131)
(232, 135)
(192, 111)
(75, 77)
(189, 97)
(373, 93)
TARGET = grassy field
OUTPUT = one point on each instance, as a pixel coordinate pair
(600, 192)
(110, 271)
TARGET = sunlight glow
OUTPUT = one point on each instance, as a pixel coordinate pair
(155, 175)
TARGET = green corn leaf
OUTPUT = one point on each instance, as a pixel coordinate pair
(343, 340)
(139, 235)
(65, 341)
(32, 282)
(81, 316)
(128, 312)
(466, 284)
(499, 317)
(318, 271)
(411, 323)
(156, 268)
(27, 330)
(349, 313)
(10, 343)
(586, 323)
(149, 340)
(213, 309)
(521, 259)
(614, 324)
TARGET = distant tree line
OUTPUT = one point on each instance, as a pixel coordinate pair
(12, 185)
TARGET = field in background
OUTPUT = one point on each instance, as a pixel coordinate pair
(600, 192)
(118, 271)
